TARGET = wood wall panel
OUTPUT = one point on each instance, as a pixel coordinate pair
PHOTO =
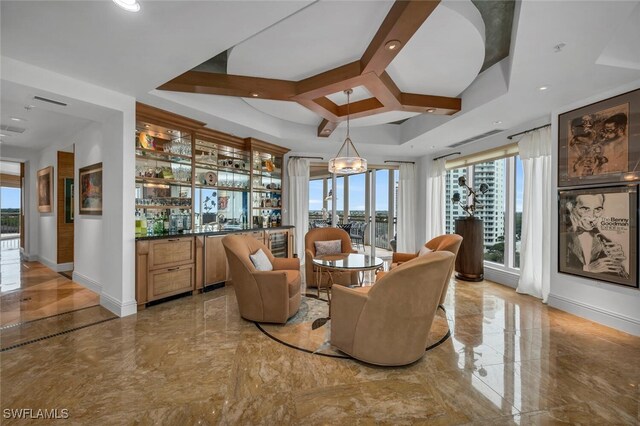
(65, 230)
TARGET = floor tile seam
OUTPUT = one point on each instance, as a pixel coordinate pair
(517, 411)
(47, 317)
(39, 339)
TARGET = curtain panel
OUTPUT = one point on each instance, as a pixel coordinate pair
(435, 207)
(407, 208)
(535, 258)
(298, 201)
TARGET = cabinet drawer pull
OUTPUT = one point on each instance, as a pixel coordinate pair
(173, 239)
(173, 269)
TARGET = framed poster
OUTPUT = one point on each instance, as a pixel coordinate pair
(45, 190)
(91, 189)
(598, 230)
(68, 200)
(600, 143)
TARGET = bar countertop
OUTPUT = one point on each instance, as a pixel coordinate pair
(206, 232)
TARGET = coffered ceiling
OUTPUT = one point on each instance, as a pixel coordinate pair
(450, 55)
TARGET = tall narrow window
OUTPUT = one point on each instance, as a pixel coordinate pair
(519, 186)
(315, 199)
(492, 207)
(453, 210)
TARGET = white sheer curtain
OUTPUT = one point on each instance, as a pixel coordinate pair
(298, 201)
(407, 208)
(535, 258)
(435, 207)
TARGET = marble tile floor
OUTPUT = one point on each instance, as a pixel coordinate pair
(510, 360)
(30, 291)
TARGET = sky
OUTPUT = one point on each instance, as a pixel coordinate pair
(519, 184)
(356, 192)
(9, 198)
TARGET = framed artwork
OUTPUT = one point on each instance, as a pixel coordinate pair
(45, 190)
(68, 200)
(598, 230)
(91, 189)
(600, 143)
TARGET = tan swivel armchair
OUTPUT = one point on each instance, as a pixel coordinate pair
(263, 296)
(389, 322)
(447, 242)
(327, 234)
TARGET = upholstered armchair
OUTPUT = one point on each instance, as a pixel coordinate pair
(447, 242)
(263, 296)
(327, 234)
(389, 322)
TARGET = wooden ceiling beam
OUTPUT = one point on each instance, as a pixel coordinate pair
(232, 85)
(383, 88)
(441, 105)
(401, 23)
(362, 108)
(318, 109)
(326, 128)
(336, 80)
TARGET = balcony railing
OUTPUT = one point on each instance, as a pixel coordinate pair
(10, 223)
(381, 233)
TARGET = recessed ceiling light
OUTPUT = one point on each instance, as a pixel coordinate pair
(29, 107)
(147, 126)
(543, 88)
(254, 94)
(326, 130)
(431, 110)
(17, 119)
(393, 44)
(128, 5)
(3, 135)
(558, 47)
(497, 122)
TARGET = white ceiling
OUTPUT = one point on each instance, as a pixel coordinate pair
(45, 123)
(141, 51)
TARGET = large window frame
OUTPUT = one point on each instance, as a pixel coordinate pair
(509, 210)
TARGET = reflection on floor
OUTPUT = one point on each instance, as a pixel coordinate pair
(30, 291)
(511, 360)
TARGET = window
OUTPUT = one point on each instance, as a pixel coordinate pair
(500, 208)
(316, 198)
(519, 187)
(356, 197)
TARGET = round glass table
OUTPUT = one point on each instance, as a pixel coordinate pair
(344, 262)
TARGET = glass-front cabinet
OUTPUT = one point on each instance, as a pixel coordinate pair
(163, 179)
(266, 179)
(189, 177)
(222, 186)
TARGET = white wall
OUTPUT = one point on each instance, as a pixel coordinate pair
(111, 264)
(88, 242)
(609, 304)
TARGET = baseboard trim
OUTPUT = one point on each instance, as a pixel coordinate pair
(117, 307)
(510, 279)
(596, 314)
(56, 267)
(87, 282)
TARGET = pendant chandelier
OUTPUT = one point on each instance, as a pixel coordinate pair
(347, 161)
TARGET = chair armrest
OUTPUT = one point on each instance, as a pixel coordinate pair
(271, 278)
(286, 264)
(403, 257)
(346, 306)
(380, 274)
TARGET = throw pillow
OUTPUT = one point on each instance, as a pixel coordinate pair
(424, 250)
(261, 261)
(328, 247)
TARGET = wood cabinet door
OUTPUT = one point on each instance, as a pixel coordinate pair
(170, 281)
(215, 263)
(171, 252)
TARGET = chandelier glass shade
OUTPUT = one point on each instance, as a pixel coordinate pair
(348, 161)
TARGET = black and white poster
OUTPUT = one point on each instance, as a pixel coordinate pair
(598, 234)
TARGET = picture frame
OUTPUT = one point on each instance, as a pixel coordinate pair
(90, 189)
(68, 200)
(45, 189)
(600, 143)
(599, 224)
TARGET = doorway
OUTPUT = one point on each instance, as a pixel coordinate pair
(12, 221)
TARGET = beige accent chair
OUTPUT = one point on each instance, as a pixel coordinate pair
(389, 322)
(327, 234)
(447, 242)
(263, 296)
